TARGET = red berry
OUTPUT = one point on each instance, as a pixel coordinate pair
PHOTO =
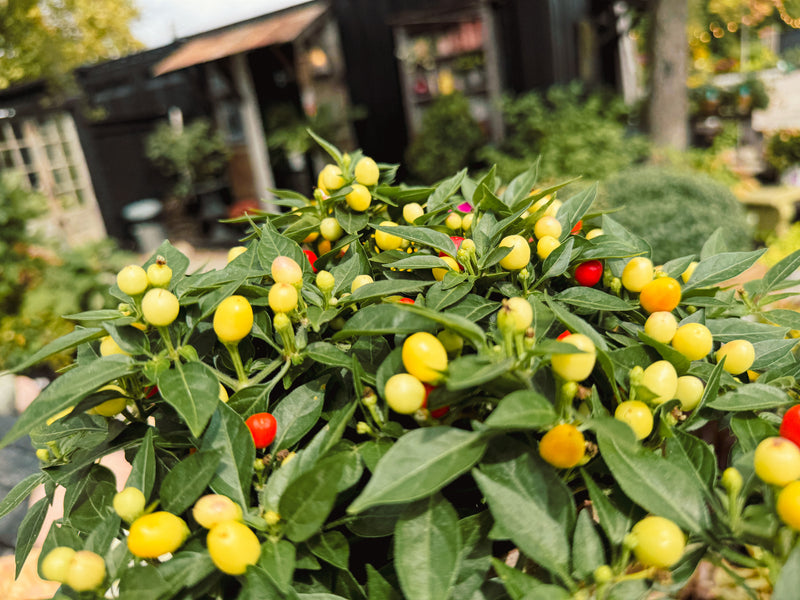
(406, 301)
(589, 273)
(790, 426)
(312, 258)
(562, 335)
(263, 428)
(577, 228)
(436, 413)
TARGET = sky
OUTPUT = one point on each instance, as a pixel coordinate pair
(161, 21)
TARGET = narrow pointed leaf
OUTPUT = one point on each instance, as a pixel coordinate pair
(420, 463)
(427, 543)
(66, 391)
(192, 389)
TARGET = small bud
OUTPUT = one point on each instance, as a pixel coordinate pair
(635, 375)
(362, 428)
(603, 574)
(732, 481)
(281, 322)
(369, 398)
(325, 282)
(569, 389)
(43, 454)
(272, 518)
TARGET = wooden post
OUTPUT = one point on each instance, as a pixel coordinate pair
(254, 135)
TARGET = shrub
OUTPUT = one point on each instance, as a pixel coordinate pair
(576, 133)
(446, 140)
(433, 433)
(40, 281)
(675, 211)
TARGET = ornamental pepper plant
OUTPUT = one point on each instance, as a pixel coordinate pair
(424, 392)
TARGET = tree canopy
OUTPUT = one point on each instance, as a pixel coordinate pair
(49, 38)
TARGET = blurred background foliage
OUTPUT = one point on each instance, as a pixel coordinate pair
(40, 281)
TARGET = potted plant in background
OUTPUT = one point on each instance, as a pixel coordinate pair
(192, 156)
(783, 153)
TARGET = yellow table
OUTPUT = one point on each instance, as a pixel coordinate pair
(773, 205)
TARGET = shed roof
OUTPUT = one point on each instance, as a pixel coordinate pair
(268, 31)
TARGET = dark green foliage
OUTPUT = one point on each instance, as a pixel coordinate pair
(575, 132)
(446, 141)
(675, 211)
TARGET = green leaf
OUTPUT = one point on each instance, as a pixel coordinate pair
(614, 523)
(558, 260)
(332, 547)
(298, 412)
(470, 331)
(523, 409)
(523, 515)
(573, 209)
(332, 150)
(476, 553)
(721, 267)
(575, 323)
(678, 360)
(752, 396)
(715, 244)
(521, 586)
(327, 354)
(587, 547)
(470, 371)
(71, 340)
(386, 287)
(440, 297)
(770, 353)
(177, 260)
(378, 588)
(695, 457)
(28, 531)
(667, 490)
(347, 270)
(586, 297)
(789, 579)
(437, 240)
(783, 317)
(228, 433)
(420, 463)
(66, 391)
(130, 339)
(444, 190)
(779, 272)
(187, 480)
(473, 308)
(192, 389)
(726, 330)
(278, 558)
(418, 262)
(143, 470)
(750, 430)
(104, 533)
(142, 581)
(614, 228)
(520, 187)
(20, 492)
(384, 319)
(350, 220)
(308, 500)
(427, 544)
(272, 244)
